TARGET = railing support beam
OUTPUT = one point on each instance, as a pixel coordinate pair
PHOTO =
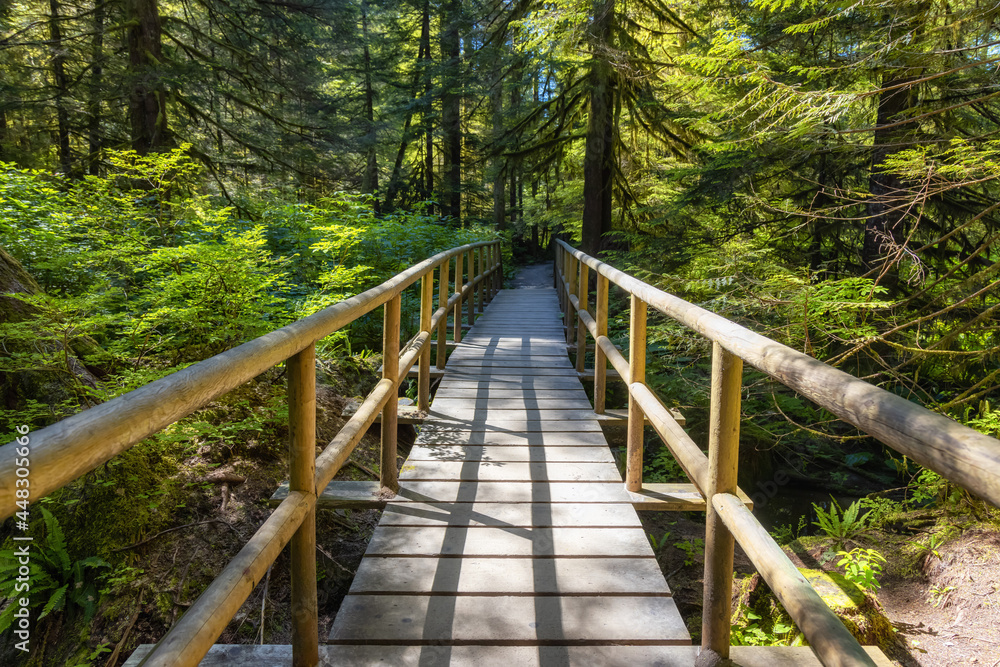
(600, 358)
(569, 320)
(442, 331)
(426, 304)
(456, 319)
(723, 459)
(637, 373)
(471, 301)
(480, 254)
(302, 477)
(582, 293)
(388, 475)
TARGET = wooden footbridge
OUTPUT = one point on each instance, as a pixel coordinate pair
(508, 536)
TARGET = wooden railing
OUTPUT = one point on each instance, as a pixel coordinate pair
(74, 446)
(960, 454)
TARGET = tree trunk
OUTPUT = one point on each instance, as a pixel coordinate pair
(3, 134)
(96, 81)
(61, 88)
(517, 73)
(597, 161)
(428, 105)
(148, 98)
(451, 105)
(883, 226)
(369, 183)
(499, 176)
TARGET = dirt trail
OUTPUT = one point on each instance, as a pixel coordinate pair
(534, 276)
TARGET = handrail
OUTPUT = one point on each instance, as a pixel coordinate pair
(957, 452)
(70, 448)
(74, 446)
(963, 455)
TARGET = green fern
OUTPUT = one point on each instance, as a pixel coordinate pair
(53, 576)
(838, 523)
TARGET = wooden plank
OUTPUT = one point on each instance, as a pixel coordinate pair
(478, 414)
(500, 368)
(525, 401)
(490, 423)
(462, 541)
(414, 373)
(616, 416)
(505, 453)
(509, 576)
(341, 494)
(674, 497)
(514, 471)
(467, 394)
(497, 381)
(610, 374)
(611, 515)
(518, 360)
(368, 655)
(516, 344)
(405, 414)
(508, 620)
(465, 436)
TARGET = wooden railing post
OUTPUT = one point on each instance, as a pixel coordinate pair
(600, 358)
(472, 290)
(456, 319)
(557, 270)
(482, 283)
(443, 295)
(570, 320)
(495, 265)
(499, 273)
(302, 470)
(488, 264)
(637, 373)
(426, 303)
(388, 475)
(723, 457)
(582, 294)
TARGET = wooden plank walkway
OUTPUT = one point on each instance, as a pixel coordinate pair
(513, 528)
(512, 540)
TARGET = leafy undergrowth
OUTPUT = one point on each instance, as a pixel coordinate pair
(169, 515)
(940, 587)
(938, 599)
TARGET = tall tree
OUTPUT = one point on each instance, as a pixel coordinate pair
(148, 92)
(598, 167)
(451, 107)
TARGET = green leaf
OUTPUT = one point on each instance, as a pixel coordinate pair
(55, 602)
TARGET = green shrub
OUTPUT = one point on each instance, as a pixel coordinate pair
(56, 582)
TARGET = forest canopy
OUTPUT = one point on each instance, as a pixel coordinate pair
(825, 171)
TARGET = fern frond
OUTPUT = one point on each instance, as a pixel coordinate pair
(57, 601)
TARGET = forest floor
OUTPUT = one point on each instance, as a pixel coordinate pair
(945, 609)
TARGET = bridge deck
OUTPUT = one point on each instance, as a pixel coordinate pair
(512, 540)
(516, 530)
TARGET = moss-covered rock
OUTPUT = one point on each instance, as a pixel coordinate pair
(759, 619)
(858, 610)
